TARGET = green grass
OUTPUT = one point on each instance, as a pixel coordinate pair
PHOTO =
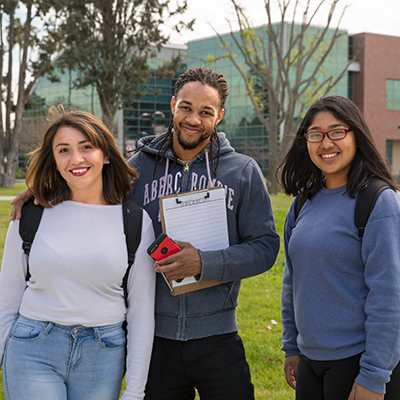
(5, 212)
(18, 188)
(260, 322)
(258, 312)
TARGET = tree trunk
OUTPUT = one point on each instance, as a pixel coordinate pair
(272, 165)
(108, 110)
(7, 178)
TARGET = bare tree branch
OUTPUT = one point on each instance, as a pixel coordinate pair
(287, 58)
(24, 36)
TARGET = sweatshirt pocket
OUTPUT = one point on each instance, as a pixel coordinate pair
(211, 300)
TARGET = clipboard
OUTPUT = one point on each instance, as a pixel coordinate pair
(197, 217)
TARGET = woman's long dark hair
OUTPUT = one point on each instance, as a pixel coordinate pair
(300, 175)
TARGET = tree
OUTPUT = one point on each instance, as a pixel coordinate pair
(282, 68)
(109, 42)
(43, 43)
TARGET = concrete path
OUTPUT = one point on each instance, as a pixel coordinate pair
(6, 198)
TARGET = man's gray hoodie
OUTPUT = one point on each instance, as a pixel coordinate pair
(253, 241)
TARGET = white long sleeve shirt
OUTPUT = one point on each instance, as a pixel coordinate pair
(77, 263)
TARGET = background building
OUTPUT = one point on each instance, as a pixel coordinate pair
(145, 116)
(372, 81)
(377, 92)
(240, 123)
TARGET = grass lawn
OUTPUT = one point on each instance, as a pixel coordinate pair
(258, 312)
(260, 322)
(5, 211)
(18, 188)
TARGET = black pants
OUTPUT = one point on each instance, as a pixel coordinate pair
(333, 380)
(216, 366)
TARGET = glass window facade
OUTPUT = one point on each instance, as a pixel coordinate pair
(240, 122)
(143, 116)
(350, 91)
(393, 94)
(351, 47)
(389, 154)
(150, 114)
(47, 93)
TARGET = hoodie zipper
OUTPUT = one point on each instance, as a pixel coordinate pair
(186, 170)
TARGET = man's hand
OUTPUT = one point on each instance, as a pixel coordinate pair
(17, 202)
(290, 368)
(360, 393)
(180, 265)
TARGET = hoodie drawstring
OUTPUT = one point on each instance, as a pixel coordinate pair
(166, 175)
(210, 182)
(208, 169)
(166, 171)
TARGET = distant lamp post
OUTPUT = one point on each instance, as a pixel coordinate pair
(157, 129)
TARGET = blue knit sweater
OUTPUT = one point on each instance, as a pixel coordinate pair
(341, 296)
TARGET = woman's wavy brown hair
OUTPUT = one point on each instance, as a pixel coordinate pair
(47, 184)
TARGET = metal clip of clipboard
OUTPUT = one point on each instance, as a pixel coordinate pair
(207, 196)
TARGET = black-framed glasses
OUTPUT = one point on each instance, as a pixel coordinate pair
(333, 134)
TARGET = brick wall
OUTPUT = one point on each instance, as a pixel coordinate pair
(379, 59)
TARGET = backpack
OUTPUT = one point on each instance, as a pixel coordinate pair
(132, 216)
(365, 203)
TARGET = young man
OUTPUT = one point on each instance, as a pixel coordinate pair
(196, 342)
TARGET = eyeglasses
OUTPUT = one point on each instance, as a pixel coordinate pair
(333, 134)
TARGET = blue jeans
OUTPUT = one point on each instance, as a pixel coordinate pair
(43, 360)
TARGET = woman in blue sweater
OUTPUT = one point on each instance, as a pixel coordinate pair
(341, 295)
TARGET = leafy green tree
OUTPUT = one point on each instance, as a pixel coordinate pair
(282, 64)
(109, 43)
(19, 41)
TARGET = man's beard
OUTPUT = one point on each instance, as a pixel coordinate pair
(190, 145)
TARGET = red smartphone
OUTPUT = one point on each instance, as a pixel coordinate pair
(162, 247)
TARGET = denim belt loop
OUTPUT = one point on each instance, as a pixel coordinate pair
(97, 334)
(48, 328)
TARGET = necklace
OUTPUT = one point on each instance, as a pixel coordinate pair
(185, 161)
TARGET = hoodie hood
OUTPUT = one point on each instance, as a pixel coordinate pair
(152, 146)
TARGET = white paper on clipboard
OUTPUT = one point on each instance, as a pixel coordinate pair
(197, 217)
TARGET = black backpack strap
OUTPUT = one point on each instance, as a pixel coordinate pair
(365, 202)
(133, 216)
(301, 199)
(28, 225)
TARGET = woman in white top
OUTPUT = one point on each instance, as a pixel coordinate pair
(61, 333)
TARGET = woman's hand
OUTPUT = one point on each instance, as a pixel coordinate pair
(361, 393)
(290, 368)
(17, 202)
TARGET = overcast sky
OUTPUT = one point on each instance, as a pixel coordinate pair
(374, 16)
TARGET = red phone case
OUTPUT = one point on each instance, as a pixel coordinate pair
(163, 247)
